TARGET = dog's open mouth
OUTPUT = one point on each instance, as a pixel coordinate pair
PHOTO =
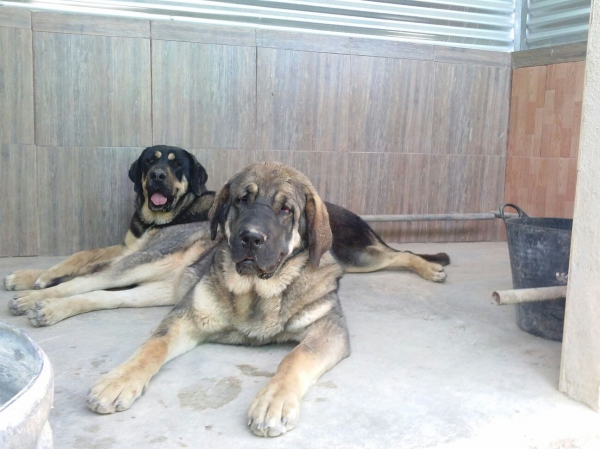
(160, 202)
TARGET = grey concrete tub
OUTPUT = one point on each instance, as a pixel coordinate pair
(26, 391)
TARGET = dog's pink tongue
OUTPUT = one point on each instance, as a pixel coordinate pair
(159, 199)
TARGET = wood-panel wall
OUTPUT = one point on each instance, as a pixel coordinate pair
(380, 127)
(545, 120)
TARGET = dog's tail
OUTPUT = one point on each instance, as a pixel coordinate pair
(441, 258)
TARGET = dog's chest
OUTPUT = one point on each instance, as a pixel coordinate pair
(256, 316)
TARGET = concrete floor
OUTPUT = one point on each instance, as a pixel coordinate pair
(433, 365)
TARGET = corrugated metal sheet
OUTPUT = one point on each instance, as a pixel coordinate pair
(552, 22)
(483, 24)
(503, 25)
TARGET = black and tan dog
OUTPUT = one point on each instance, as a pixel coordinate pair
(268, 277)
(170, 187)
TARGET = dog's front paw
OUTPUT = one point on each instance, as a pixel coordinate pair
(9, 282)
(115, 392)
(21, 280)
(47, 313)
(22, 302)
(433, 272)
(275, 410)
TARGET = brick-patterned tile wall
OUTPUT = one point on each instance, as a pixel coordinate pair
(543, 138)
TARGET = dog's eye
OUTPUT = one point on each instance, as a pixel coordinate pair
(151, 161)
(243, 199)
(285, 210)
(175, 163)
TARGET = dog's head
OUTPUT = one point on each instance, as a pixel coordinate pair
(270, 212)
(163, 175)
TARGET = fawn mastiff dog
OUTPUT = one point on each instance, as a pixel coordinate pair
(265, 275)
(170, 187)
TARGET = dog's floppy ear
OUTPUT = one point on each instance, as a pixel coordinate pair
(317, 223)
(135, 174)
(219, 210)
(198, 175)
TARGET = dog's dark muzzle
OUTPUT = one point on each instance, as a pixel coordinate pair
(256, 241)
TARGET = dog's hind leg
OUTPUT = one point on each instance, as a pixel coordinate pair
(22, 279)
(360, 250)
(52, 310)
(135, 269)
(380, 256)
(79, 264)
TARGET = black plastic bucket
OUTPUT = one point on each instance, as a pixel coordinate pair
(539, 257)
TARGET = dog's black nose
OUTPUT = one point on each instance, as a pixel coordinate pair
(158, 174)
(252, 239)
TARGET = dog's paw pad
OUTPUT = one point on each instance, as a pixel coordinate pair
(41, 283)
(439, 276)
(434, 272)
(21, 280)
(114, 394)
(9, 282)
(35, 318)
(22, 302)
(16, 308)
(41, 315)
(274, 412)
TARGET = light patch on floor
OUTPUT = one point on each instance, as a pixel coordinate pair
(210, 393)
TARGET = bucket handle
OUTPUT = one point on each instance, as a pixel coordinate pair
(514, 206)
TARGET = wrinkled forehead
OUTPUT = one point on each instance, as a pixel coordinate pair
(271, 183)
